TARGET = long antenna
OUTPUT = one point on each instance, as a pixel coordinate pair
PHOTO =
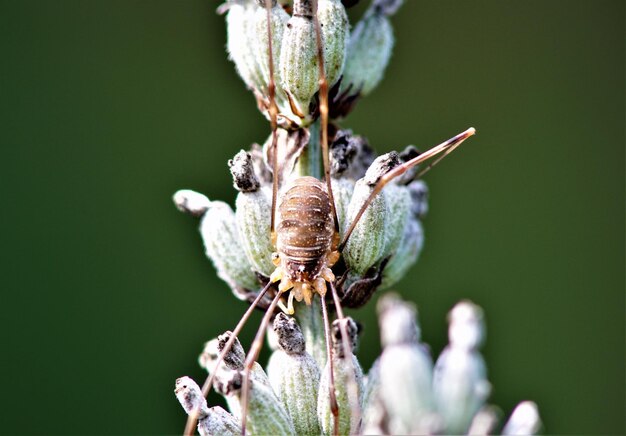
(446, 146)
(273, 112)
(334, 407)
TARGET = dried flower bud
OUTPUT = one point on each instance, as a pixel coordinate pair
(524, 420)
(191, 202)
(334, 24)
(241, 35)
(295, 376)
(223, 246)
(351, 329)
(405, 369)
(190, 396)
(369, 50)
(253, 215)
(405, 255)
(242, 170)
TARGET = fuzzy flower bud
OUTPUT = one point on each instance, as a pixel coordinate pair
(241, 35)
(346, 374)
(221, 239)
(210, 421)
(260, 43)
(253, 215)
(298, 58)
(367, 242)
(295, 376)
(369, 48)
(524, 420)
(398, 201)
(405, 369)
(334, 23)
(311, 323)
(266, 415)
(405, 255)
(460, 381)
(191, 202)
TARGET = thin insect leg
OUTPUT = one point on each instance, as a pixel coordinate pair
(192, 419)
(323, 105)
(421, 173)
(252, 356)
(353, 390)
(451, 143)
(334, 407)
(273, 112)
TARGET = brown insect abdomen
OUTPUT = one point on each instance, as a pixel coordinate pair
(305, 229)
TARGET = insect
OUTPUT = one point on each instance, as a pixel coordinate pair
(304, 228)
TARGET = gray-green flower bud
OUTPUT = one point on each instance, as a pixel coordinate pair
(214, 420)
(405, 369)
(266, 415)
(241, 35)
(369, 49)
(278, 20)
(311, 323)
(295, 376)
(373, 410)
(368, 240)
(343, 189)
(405, 255)
(253, 215)
(524, 420)
(334, 23)
(398, 200)
(223, 246)
(344, 376)
(298, 57)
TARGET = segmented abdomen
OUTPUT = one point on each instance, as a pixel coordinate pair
(305, 228)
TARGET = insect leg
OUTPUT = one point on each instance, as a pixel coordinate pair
(445, 147)
(334, 407)
(273, 112)
(353, 390)
(192, 419)
(252, 356)
(323, 106)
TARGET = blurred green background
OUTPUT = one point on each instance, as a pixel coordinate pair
(108, 107)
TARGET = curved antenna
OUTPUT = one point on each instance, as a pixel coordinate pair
(192, 418)
(445, 147)
(323, 106)
(252, 356)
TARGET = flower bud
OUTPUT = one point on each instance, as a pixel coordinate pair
(484, 421)
(266, 415)
(369, 50)
(419, 198)
(334, 24)
(311, 323)
(343, 190)
(295, 376)
(405, 369)
(240, 42)
(398, 201)
(210, 421)
(467, 329)
(367, 242)
(253, 215)
(191, 202)
(344, 374)
(524, 420)
(298, 58)
(405, 255)
(223, 246)
(278, 20)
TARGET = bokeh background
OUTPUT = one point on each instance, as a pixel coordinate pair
(108, 107)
